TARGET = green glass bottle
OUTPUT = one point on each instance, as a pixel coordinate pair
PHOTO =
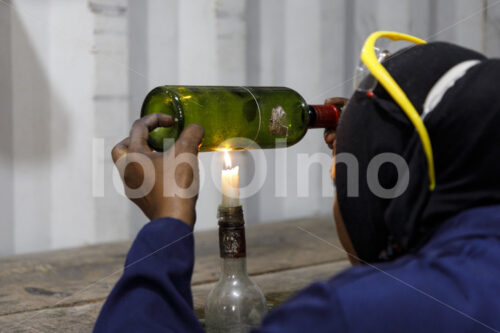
(228, 114)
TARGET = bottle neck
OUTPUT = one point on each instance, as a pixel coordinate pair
(232, 245)
(233, 267)
(231, 232)
(324, 116)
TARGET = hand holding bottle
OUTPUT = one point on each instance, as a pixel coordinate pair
(151, 179)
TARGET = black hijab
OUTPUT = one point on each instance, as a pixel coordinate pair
(464, 129)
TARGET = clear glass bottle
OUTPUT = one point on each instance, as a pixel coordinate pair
(235, 304)
(260, 114)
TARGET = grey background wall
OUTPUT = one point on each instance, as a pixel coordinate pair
(74, 73)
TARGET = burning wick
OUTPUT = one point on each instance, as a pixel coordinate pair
(230, 179)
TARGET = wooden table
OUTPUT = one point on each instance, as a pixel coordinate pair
(63, 291)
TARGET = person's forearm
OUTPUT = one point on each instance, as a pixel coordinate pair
(154, 292)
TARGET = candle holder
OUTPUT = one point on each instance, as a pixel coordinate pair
(236, 303)
(232, 242)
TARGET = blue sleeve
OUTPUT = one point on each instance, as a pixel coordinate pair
(154, 292)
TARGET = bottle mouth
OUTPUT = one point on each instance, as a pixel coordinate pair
(323, 116)
(162, 100)
(230, 215)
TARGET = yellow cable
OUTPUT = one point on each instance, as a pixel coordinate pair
(369, 58)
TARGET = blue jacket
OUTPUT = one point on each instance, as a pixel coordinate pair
(451, 285)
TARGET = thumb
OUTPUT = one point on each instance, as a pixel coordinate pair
(190, 140)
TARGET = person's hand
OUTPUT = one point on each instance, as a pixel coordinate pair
(160, 184)
(330, 133)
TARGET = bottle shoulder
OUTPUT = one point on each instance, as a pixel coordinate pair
(231, 290)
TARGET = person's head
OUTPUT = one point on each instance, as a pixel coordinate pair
(383, 205)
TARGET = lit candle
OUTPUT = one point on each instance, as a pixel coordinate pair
(230, 180)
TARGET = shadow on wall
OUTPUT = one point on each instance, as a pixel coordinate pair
(40, 125)
(34, 131)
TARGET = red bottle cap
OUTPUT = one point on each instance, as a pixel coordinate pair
(327, 116)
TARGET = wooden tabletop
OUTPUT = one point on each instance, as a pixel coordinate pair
(64, 290)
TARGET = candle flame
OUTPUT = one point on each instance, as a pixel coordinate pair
(227, 160)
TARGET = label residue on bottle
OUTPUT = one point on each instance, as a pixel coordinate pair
(232, 242)
(278, 124)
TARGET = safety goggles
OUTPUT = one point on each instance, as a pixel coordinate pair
(371, 71)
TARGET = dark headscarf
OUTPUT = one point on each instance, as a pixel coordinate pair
(464, 130)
